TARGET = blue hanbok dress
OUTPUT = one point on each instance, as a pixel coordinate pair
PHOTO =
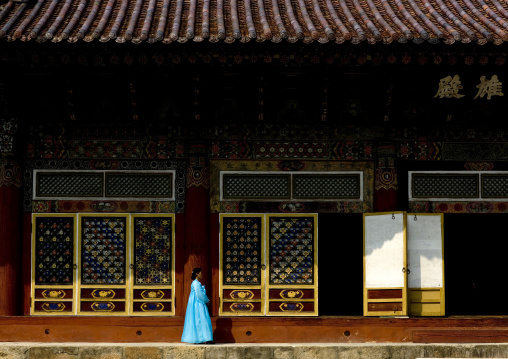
(198, 326)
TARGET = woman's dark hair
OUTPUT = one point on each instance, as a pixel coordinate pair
(195, 272)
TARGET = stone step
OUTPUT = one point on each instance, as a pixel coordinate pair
(249, 351)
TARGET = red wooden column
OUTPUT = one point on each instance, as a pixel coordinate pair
(385, 182)
(197, 219)
(10, 224)
(214, 260)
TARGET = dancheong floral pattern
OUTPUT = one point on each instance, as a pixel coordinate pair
(291, 250)
(242, 250)
(103, 250)
(53, 250)
(152, 237)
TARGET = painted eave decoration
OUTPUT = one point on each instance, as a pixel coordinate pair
(166, 21)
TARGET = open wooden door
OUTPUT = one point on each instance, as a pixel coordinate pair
(426, 265)
(385, 267)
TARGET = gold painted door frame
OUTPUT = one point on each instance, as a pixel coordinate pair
(95, 296)
(97, 248)
(53, 232)
(242, 264)
(287, 277)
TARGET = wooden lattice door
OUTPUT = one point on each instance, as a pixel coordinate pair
(281, 282)
(53, 264)
(242, 258)
(103, 264)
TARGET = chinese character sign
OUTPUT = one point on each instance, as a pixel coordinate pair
(492, 87)
(450, 87)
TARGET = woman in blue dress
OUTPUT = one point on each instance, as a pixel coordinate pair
(198, 326)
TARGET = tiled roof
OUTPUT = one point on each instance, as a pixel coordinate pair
(166, 21)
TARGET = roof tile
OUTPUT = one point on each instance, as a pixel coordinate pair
(168, 21)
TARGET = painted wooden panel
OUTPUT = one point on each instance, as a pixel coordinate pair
(53, 286)
(284, 282)
(92, 265)
(242, 308)
(152, 264)
(103, 271)
(426, 301)
(292, 283)
(241, 264)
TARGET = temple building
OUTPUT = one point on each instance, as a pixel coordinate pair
(335, 167)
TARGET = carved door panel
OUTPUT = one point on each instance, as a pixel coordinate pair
(152, 264)
(242, 246)
(103, 273)
(90, 264)
(292, 265)
(284, 282)
(53, 262)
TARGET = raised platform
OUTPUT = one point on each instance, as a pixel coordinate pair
(250, 351)
(257, 330)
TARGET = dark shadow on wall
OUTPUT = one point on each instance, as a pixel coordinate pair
(222, 332)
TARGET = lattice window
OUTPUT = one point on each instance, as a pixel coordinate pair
(495, 186)
(256, 186)
(242, 250)
(69, 184)
(445, 185)
(291, 250)
(152, 256)
(326, 186)
(248, 186)
(74, 184)
(54, 250)
(103, 250)
(459, 185)
(155, 185)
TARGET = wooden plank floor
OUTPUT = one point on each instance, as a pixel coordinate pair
(258, 330)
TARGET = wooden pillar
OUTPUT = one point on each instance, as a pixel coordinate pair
(214, 262)
(385, 182)
(26, 263)
(180, 300)
(197, 219)
(10, 223)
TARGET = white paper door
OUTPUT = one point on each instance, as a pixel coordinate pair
(425, 263)
(385, 278)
